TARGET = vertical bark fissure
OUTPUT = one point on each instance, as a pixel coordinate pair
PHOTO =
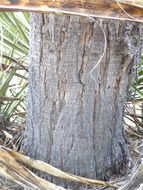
(107, 57)
(40, 61)
(70, 150)
(94, 129)
(81, 69)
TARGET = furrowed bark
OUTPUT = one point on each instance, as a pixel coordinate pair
(70, 124)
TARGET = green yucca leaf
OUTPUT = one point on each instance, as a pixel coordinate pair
(5, 85)
(27, 17)
(140, 73)
(13, 105)
(138, 85)
(16, 47)
(140, 80)
(16, 29)
(6, 98)
(138, 91)
(20, 29)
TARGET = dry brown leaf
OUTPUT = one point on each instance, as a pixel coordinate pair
(21, 175)
(137, 3)
(44, 167)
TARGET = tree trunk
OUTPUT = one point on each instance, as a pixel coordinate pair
(73, 122)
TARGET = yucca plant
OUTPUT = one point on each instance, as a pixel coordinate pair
(14, 38)
(134, 109)
(138, 85)
(14, 65)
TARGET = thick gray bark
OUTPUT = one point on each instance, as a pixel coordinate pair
(70, 124)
